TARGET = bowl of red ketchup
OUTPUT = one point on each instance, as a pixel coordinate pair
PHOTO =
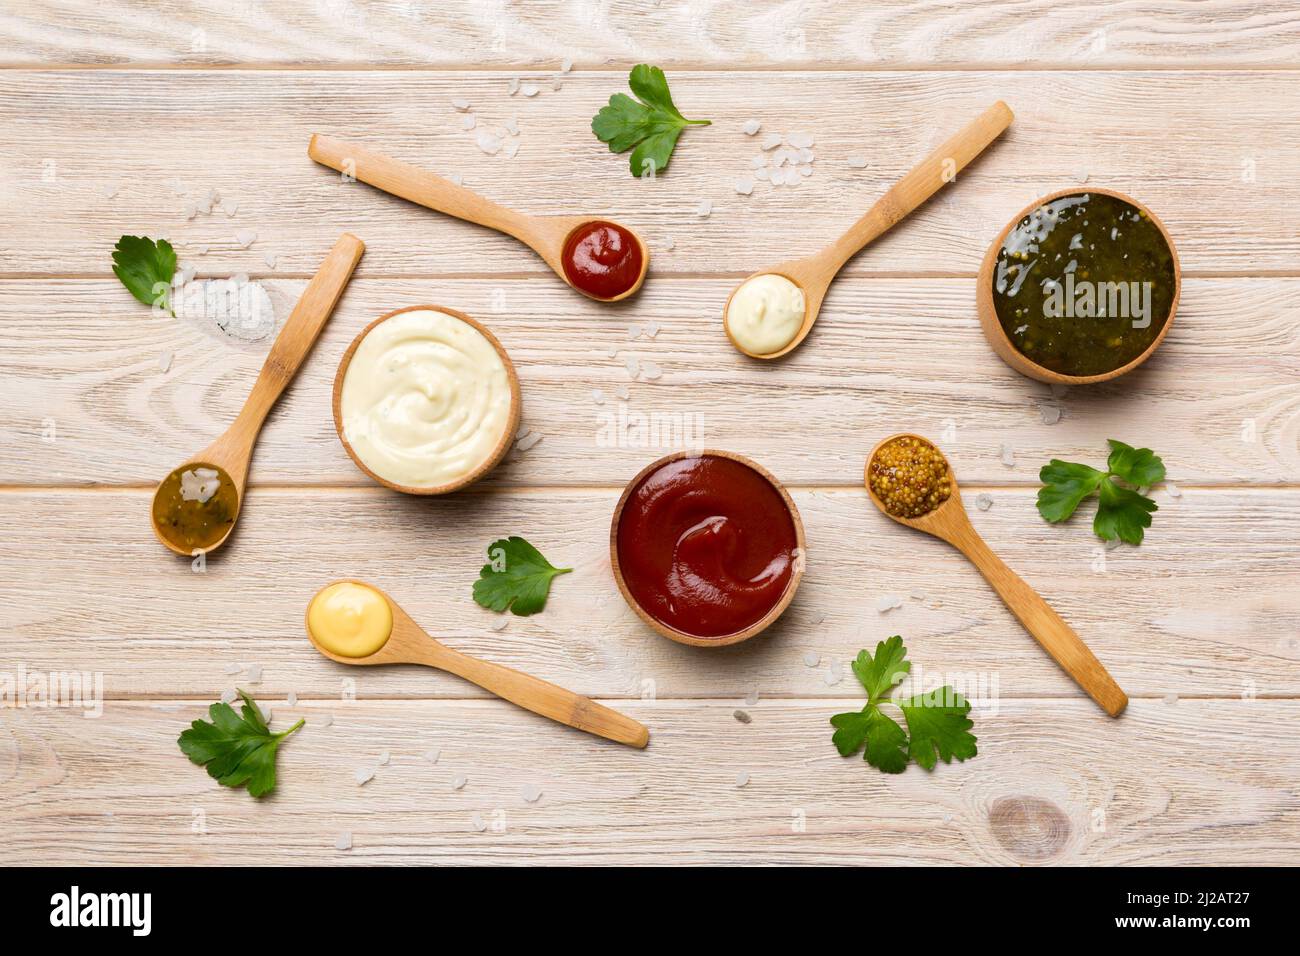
(604, 260)
(707, 547)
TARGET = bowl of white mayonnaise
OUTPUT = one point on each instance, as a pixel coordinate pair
(426, 400)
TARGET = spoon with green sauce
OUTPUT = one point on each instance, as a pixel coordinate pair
(195, 507)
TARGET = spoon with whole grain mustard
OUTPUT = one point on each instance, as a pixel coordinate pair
(908, 478)
(196, 505)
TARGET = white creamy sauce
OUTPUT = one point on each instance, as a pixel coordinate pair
(765, 313)
(426, 399)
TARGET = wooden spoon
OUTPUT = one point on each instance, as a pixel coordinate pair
(234, 449)
(814, 274)
(411, 644)
(950, 523)
(545, 235)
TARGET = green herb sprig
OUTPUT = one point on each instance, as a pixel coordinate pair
(237, 749)
(516, 577)
(651, 123)
(1122, 512)
(146, 269)
(937, 725)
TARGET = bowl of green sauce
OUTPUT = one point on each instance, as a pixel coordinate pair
(1080, 287)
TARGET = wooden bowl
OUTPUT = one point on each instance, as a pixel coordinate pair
(507, 437)
(681, 637)
(997, 337)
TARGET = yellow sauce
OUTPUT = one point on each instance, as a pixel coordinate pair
(350, 620)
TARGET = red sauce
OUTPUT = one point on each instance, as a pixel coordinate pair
(706, 545)
(602, 259)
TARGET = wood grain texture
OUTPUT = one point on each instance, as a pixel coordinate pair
(85, 401)
(1204, 607)
(179, 134)
(1189, 107)
(719, 33)
(1191, 782)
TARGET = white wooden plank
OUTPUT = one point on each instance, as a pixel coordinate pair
(1231, 209)
(1206, 606)
(1188, 783)
(85, 400)
(822, 33)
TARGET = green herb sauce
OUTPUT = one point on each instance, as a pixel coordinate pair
(1083, 284)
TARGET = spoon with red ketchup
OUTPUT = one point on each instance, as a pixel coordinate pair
(601, 259)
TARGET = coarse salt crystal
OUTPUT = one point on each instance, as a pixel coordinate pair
(531, 793)
(631, 365)
(510, 149)
(459, 104)
(832, 676)
(458, 782)
(651, 328)
(512, 126)
(742, 778)
(704, 208)
(363, 775)
(650, 371)
(1008, 456)
(246, 237)
(983, 502)
(1173, 490)
(801, 140)
(566, 65)
(888, 602)
(432, 755)
(165, 362)
(805, 171)
(233, 669)
(857, 162)
(623, 392)
(528, 88)
(771, 141)
(744, 185)
(270, 259)
(228, 695)
(762, 175)
(488, 143)
(255, 673)
(598, 396)
(501, 624)
(1050, 414)
(811, 658)
(468, 121)
(344, 841)
(759, 161)
(456, 179)
(513, 85)
(478, 823)
(751, 126)
(528, 441)
(384, 758)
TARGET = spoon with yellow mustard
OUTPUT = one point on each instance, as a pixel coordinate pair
(908, 478)
(771, 312)
(355, 623)
(196, 505)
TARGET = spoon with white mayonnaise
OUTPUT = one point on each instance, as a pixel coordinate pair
(771, 312)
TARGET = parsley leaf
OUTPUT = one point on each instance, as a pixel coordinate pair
(146, 269)
(880, 673)
(1140, 467)
(237, 749)
(1065, 485)
(651, 122)
(1122, 512)
(516, 577)
(937, 721)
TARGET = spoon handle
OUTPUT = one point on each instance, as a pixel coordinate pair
(1045, 625)
(926, 179)
(302, 328)
(541, 697)
(418, 185)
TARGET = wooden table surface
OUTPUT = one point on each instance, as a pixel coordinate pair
(114, 116)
